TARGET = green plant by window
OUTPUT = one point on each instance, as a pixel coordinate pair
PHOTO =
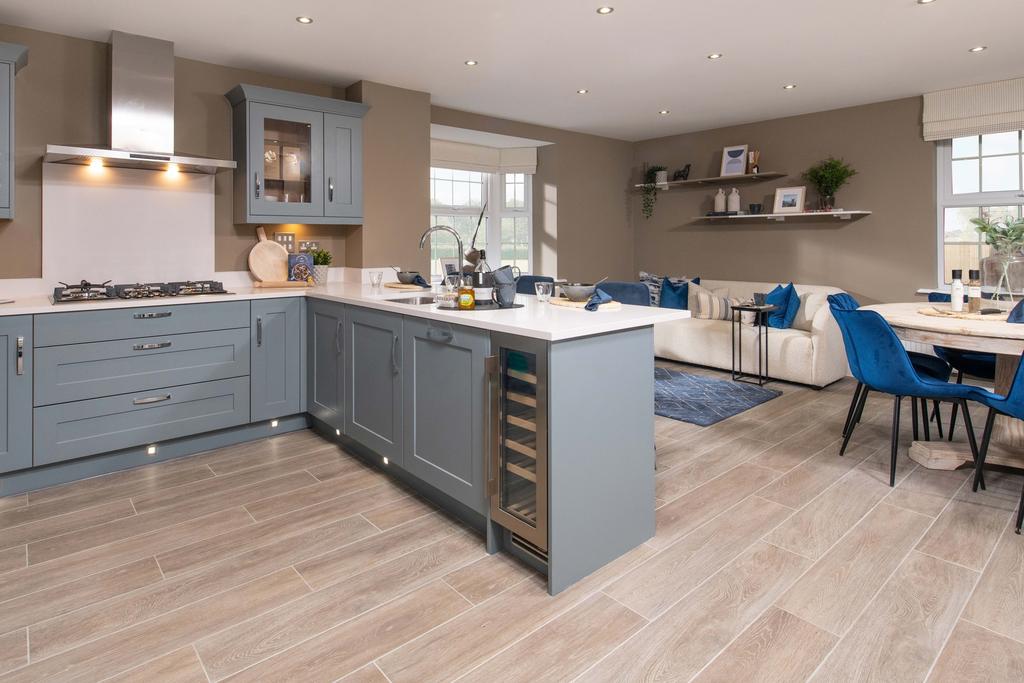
(321, 257)
(650, 190)
(1005, 235)
(829, 175)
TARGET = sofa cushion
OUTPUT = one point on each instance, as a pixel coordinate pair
(653, 283)
(787, 303)
(708, 305)
(810, 302)
(675, 294)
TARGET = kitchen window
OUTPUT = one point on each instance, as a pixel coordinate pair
(978, 176)
(456, 198)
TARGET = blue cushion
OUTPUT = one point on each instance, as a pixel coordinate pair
(632, 293)
(676, 294)
(787, 303)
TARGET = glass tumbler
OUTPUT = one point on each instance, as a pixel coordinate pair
(543, 290)
(376, 276)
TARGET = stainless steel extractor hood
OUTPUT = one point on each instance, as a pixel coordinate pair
(141, 113)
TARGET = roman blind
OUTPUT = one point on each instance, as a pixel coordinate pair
(974, 109)
(469, 157)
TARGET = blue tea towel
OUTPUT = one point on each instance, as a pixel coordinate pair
(1017, 314)
(599, 297)
(421, 282)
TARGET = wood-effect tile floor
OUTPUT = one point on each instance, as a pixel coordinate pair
(288, 559)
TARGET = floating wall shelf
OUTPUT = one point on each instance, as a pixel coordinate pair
(719, 180)
(806, 216)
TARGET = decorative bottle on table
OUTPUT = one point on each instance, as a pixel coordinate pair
(973, 291)
(956, 292)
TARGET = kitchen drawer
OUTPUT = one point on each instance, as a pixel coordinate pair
(53, 329)
(74, 372)
(72, 430)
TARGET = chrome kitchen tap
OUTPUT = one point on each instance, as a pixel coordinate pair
(444, 228)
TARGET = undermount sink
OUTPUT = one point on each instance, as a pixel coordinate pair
(414, 300)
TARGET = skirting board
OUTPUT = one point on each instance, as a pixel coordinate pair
(97, 465)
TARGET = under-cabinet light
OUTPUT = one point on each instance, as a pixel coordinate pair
(385, 461)
(151, 450)
(273, 424)
(337, 432)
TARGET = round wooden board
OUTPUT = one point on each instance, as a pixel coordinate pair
(268, 261)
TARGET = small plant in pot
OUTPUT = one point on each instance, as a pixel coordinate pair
(827, 177)
(321, 265)
(653, 176)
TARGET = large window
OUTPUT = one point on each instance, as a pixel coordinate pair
(456, 198)
(979, 176)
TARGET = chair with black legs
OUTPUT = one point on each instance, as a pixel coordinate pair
(925, 365)
(884, 366)
(1011, 405)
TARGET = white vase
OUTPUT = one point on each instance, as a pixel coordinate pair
(720, 201)
(320, 275)
(734, 200)
(661, 178)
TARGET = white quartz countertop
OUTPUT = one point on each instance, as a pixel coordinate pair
(537, 320)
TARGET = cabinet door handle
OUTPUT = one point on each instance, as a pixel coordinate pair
(19, 362)
(337, 337)
(151, 399)
(394, 354)
(440, 334)
(256, 177)
(150, 347)
(150, 316)
(259, 331)
(330, 189)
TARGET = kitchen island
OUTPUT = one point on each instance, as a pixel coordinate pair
(533, 424)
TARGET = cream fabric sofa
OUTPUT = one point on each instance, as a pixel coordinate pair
(810, 352)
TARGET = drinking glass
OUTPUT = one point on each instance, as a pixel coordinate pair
(543, 290)
(376, 276)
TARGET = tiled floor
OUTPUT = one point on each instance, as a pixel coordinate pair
(775, 559)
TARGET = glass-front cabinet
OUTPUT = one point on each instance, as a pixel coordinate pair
(12, 58)
(300, 157)
(519, 447)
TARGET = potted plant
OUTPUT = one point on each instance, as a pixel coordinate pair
(653, 177)
(1006, 237)
(321, 265)
(827, 177)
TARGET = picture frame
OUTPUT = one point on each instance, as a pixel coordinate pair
(734, 160)
(449, 265)
(790, 199)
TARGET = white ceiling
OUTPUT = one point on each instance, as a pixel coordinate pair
(534, 54)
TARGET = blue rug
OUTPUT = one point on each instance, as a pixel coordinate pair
(703, 400)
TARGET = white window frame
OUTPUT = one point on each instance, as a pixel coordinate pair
(494, 194)
(948, 200)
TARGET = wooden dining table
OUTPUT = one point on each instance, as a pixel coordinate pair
(995, 335)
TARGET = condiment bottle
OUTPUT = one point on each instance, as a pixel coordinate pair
(467, 298)
(956, 292)
(973, 291)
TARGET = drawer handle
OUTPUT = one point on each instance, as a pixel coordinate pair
(151, 399)
(19, 363)
(394, 354)
(150, 347)
(256, 176)
(337, 337)
(150, 316)
(330, 189)
(259, 331)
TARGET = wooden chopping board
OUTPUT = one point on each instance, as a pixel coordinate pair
(582, 305)
(268, 261)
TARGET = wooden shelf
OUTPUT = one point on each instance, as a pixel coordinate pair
(522, 376)
(529, 425)
(521, 472)
(718, 180)
(521, 448)
(522, 398)
(808, 216)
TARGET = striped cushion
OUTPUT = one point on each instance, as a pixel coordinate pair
(708, 305)
(653, 283)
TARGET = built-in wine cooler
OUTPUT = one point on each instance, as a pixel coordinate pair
(518, 473)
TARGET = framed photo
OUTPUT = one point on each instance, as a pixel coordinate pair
(734, 160)
(450, 265)
(790, 199)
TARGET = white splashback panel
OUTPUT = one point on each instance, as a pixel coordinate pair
(127, 225)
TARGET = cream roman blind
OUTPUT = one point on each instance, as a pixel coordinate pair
(975, 109)
(468, 157)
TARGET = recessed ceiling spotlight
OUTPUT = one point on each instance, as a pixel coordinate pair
(304, 20)
(664, 112)
(789, 86)
(925, 2)
(582, 91)
(605, 10)
(979, 48)
(715, 55)
(471, 62)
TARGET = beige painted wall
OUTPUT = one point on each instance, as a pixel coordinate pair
(62, 97)
(883, 257)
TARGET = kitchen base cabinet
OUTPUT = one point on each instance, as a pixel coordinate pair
(445, 397)
(278, 371)
(15, 392)
(325, 358)
(373, 382)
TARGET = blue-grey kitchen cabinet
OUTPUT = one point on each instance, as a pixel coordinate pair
(373, 380)
(446, 408)
(325, 358)
(300, 157)
(15, 392)
(277, 376)
(12, 58)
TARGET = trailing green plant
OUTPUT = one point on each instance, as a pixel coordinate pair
(321, 257)
(1005, 235)
(829, 175)
(650, 190)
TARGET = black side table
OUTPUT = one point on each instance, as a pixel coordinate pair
(762, 343)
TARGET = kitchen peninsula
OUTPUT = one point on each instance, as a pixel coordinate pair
(533, 424)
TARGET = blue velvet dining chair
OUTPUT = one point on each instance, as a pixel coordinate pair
(973, 363)
(631, 293)
(884, 366)
(1011, 405)
(524, 283)
(925, 365)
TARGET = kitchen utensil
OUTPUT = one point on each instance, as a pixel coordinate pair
(268, 260)
(407, 277)
(577, 291)
(473, 255)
